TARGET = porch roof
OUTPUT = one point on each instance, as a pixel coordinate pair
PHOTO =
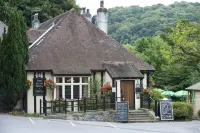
(194, 87)
(122, 70)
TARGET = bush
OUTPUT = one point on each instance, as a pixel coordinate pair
(182, 111)
(157, 95)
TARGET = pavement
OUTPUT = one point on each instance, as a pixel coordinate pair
(15, 124)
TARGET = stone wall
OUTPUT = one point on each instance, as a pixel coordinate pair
(103, 116)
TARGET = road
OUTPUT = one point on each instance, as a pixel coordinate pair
(14, 124)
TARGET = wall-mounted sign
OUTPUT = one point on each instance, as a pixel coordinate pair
(113, 89)
(38, 86)
(166, 110)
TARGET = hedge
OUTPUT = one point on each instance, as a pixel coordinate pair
(182, 111)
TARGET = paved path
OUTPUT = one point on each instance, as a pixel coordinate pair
(13, 124)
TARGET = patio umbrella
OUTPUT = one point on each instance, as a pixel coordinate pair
(168, 93)
(181, 93)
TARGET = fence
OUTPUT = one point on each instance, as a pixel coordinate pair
(149, 103)
(102, 103)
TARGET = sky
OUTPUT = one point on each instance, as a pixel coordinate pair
(93, 5)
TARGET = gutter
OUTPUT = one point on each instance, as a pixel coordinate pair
(42, 36)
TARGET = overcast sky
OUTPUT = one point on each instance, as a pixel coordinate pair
(93, 5)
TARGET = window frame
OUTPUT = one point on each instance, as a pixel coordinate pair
(63, 84)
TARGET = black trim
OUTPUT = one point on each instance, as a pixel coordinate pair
(44, 103)
(92, 70)
(101, 78)
(94, 75)
(148, 80)
(146, 71)
(121, 78)
(35, 104)
(72, 74)
(134, 94)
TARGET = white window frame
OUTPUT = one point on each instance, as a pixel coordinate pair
(63, 84)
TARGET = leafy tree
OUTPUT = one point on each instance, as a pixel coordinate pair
(14, 57)
(127, 24)
(46, 8)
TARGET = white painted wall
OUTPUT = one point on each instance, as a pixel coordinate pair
(107, 78)
(102, 21)
(145, 81)
(118, 90)
(137, 101)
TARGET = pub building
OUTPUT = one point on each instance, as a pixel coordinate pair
(72, 48)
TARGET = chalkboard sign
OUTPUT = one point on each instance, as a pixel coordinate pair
(166, 110)
(122, 111)
(38, 86)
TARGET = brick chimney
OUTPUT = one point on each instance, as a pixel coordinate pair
(102, 17)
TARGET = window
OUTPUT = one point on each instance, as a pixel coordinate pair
(84, 79)
(72, 87)
(67, 79)
(68, 92)
(59, 80)
(76, 79)
(84, 90)
(59, 92)
(76, 91)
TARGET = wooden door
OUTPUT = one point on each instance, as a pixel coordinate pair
(127, 90)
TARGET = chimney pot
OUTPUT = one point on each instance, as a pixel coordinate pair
(83, 9)
(88, 11)
(102, 3)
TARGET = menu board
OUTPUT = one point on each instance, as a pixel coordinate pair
(38, 86)
(122, 111)
(166, 110)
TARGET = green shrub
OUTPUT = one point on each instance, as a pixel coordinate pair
(182, 111)
(32, 115)
(157, 95)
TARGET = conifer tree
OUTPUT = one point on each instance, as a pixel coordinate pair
(13, 59)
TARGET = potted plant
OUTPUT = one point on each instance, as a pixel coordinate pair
(49, 84)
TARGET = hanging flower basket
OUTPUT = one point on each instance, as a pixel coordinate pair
(49, 84)
(29, 84)
(107, 89)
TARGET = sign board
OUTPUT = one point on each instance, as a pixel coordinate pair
(38, 86)
(122, 111)
(166, 110)
(113, 89)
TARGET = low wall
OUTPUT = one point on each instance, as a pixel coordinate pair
(103, 116)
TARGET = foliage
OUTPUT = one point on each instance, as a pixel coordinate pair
(49, 84)
(94, 85)
(29, 84)
(14, 57)
(32, 115)
(157, 95)
(182, 111)
(126, 24)
(107, 89)
(46, 8)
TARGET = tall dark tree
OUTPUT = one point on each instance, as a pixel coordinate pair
(14, 57)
